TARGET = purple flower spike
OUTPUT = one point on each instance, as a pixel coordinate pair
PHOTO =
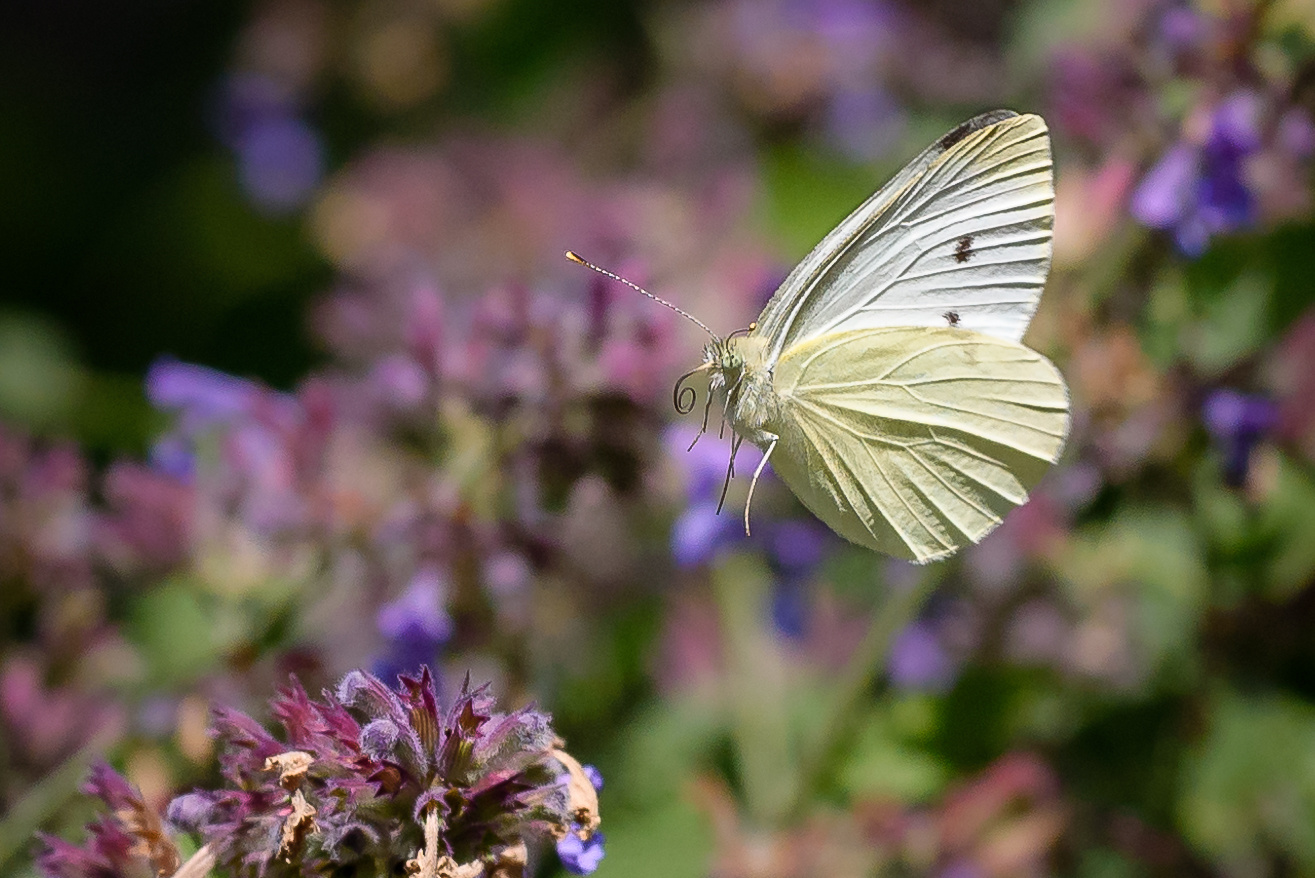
(130, 840)
(416, 626)
(1237, 422)
(580, 857)
(345, 790)
(1182, 29)
(799, 545)
(595, 776)
(1197, 191)
(202, 396)
(919, 661)
(790, 608)
(280, 161)
(1164, 196)
(700, 533)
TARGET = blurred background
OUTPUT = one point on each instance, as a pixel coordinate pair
(294, 379)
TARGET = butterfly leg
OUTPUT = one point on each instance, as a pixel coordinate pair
(771, 446)
(707, 409)
(726, 408)
(730, 471)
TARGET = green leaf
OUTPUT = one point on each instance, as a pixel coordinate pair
(885, 762)
(175, 628)
(1248, 790)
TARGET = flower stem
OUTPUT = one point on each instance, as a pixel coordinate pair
(199, 865)
(755, 694)
(43, 799)
(821, 753)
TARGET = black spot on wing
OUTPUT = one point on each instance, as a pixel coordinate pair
(976, 123)
(951, 317)
(963, 251)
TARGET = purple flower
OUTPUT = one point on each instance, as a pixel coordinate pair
(280, 162)
(580, 856)
(362, 773)
(129, 840)
(173, 455)
(1237, 422)
(1182, 30)
(149, 521)
(362, 779)
(280, 157)
(705, 462)
(918, 659)
(415, 625)
(701, 533)
(595, 776)
(1199, 191)
(863, 123)
(401, 381)
(797, 546)
(244, 101)
(202, 397)
(790, 608)
(266, 444)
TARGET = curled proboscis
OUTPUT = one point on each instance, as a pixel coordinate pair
(682, 395)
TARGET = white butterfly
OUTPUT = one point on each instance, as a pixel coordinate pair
(885, 380)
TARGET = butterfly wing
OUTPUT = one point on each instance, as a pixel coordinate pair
(961, 236)
(915, 442)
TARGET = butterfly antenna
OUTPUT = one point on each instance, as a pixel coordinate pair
(745, 331)
(575, 257)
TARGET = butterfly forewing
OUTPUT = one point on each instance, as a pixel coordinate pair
(960, 237)
(915, 442)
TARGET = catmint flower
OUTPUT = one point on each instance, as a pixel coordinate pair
(1197, 191)
(368, 779)
(595, 776)
(701, 533)
(581, 850)
(280, 162)
(130, 840)
(816, 60)
(795, 549)
(201, 396)
(280, 157)
(1237, 422)
(581, 857)
(415, 625)
(919, 661)
(374, 777)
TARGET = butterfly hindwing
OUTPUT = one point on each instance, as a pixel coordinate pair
(960, 237)
(915, 442)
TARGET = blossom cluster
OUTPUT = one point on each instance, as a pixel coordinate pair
(1226, 163)
(367, 778)
(72, 541)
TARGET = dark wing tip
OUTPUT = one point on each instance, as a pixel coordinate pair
(976, 123)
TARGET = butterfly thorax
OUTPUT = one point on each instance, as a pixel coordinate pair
(740, 371)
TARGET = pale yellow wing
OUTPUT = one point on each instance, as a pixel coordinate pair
(916, 441)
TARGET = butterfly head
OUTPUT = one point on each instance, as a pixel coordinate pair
(723, 359)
